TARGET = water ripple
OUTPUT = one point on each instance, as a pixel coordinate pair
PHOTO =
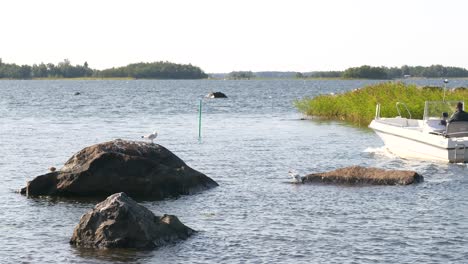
(249, 142)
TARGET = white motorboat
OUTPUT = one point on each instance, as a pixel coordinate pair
(430, 138)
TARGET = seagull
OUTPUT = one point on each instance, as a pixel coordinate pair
(151, 136)
(295, 176)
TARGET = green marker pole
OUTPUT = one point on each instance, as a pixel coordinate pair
(199, 120)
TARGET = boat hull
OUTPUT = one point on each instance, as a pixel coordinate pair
(413, 142)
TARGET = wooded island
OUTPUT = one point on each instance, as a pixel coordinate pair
(153, 70)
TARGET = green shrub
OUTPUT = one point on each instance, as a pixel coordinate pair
(358, 106)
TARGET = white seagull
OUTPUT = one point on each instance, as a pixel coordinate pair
(151, 136)
(295, 176)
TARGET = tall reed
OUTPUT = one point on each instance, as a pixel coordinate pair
(358, 106)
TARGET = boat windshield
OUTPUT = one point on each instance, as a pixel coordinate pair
(434, 109)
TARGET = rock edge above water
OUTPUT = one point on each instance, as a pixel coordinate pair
(120, 222)
(140, 169)
(356, 175)
(216, 95)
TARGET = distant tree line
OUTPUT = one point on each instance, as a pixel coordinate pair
(168, 70)
(239, 75)
(366, 72)
(369, 72)
(61, 70)
(433, 71)
(326, 74)
(14, 71)
(155, 70)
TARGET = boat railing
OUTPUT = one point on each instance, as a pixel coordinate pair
(377, 111)
(406, 107)
(396, 121)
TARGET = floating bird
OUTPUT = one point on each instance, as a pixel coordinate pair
(295, 176)
(151, 136)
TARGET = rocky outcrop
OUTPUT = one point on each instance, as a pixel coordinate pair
(120, 222)
(139, 169)
(216, 95)
(356, 175)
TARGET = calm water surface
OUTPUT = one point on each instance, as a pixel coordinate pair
(249, 142)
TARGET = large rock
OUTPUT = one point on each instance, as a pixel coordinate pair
(361, 175)
(139, 169)
(216, 95)
(120, 222)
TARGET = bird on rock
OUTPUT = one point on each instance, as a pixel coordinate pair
(151, 136)
(295, 176)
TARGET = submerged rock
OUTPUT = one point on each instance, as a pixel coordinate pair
(120, 222)
(139, 169)
(360, 175)
(216, 95)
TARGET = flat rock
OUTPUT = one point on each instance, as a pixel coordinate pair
(356, 175)
(140, 169)
(120, 222)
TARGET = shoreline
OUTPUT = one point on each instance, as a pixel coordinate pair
(221, 79)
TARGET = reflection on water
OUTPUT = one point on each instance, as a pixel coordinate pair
(89, 255)
(249, 143)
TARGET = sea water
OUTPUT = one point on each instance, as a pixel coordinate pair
(248, 144)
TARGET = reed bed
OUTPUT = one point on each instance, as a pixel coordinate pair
(358, 106)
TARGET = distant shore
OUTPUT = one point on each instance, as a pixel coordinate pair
(220, 79)
(164, 70)
(85, 78)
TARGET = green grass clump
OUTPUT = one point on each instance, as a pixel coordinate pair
(358, 106)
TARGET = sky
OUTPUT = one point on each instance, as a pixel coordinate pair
(236, 35)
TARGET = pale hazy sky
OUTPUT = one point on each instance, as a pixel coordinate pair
(223, 36)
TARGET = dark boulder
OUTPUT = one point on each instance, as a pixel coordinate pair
(356, 175)
(120, 222)
(216, 95)
(139, 169)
